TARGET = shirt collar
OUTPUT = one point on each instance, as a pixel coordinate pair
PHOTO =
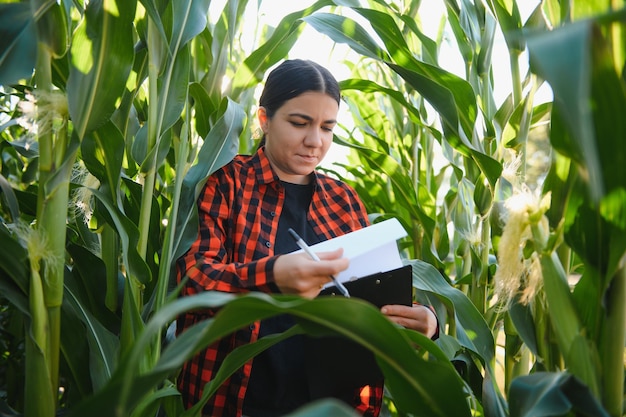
(264, 172)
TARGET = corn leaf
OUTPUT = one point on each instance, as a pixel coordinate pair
(52, 25)
(18, 43)
(103, 153)
(219, 148)
(100, 64)
(421, 394)
(278, 45)
(552, 394)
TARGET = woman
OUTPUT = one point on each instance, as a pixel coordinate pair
(243, 245)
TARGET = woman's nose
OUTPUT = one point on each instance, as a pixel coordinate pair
(313, 137)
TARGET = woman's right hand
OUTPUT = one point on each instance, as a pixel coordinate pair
(297, 273)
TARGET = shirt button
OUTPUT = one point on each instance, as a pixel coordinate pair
(252, 327)
(273, 214)
(268, 244)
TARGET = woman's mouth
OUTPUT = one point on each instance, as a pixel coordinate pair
(309, 158)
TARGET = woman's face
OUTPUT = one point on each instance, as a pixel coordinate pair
(299, 134)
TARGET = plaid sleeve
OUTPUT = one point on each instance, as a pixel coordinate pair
(221, 258)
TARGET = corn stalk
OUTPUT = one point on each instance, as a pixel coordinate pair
(56, 157)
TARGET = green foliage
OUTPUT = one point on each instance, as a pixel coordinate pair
(392, 164)
(150, 116)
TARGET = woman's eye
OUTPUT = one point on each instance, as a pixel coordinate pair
(326, 128)
(298, 124)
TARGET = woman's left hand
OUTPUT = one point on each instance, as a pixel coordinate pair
(416, 317)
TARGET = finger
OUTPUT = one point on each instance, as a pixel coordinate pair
(417, 317)
(326, 268)
(311, 294)
(408, 323)
(397, 310)
(329, 255)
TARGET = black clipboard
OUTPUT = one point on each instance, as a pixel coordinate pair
(383, 288)
(337, 366)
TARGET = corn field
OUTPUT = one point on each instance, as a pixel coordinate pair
(113, 113)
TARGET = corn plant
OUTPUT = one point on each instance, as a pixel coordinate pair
(393, 148)
(133, 114)
(146, 120)
(121, 115)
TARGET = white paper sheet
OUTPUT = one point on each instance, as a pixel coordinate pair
(370, 250)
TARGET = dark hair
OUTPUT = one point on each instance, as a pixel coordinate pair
(294, 77)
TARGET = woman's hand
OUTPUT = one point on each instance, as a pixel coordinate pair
(417, 317)
(297, 273)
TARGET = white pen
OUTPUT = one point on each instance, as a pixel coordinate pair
(300, 242)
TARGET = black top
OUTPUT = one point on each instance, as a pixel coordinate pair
(278, 383)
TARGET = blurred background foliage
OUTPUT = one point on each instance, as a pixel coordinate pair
(114, 112)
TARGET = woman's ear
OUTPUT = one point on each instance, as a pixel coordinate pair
(263, 119)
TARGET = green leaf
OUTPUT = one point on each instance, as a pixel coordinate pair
(74, 348)
(51, 26)
(429, 47)
(203, 107)
(483, 197)
(544, 394)
(219, 148)
(103, 345)
(14, 270)
(461, 26)
(344, 30)
(18, 43)
(151, 159)
(408, 377)
(88, 282)
(155, 17)
(608, 99)
(562, 57)
(401, 184)
(521, 316)
(7, 195)
(477, 336)
(472, 330)
(454, 100)
(190, 18)
(566, 323)
(235, 11)
(234, 361)
(129, 236)
(173, 87)
(462, 213)
(583, 9)
(590, 236)
(250, 73)
(103, 154)
(558, 182)
(394, 39)
(412, 376)
(326, 407)
(102, 57)
(510, 22)
(367, 86)
(450, 95)
(150, 404)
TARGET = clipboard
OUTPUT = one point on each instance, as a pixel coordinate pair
(383, 288)
(337, 366)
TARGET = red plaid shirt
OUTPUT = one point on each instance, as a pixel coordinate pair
(239, 210)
